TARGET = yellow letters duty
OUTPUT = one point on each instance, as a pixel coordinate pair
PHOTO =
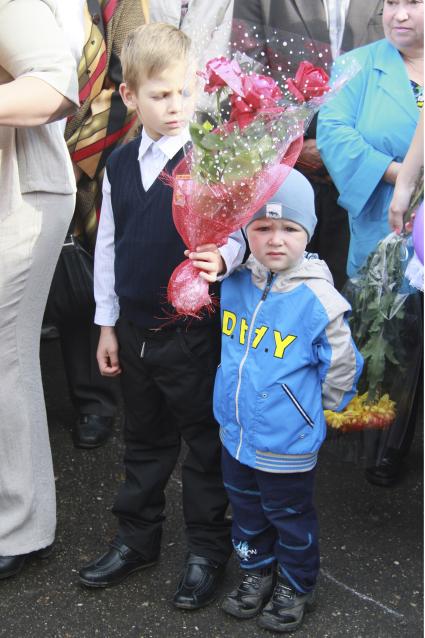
(230, 322)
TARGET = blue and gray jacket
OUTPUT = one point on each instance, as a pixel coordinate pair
(287, 354)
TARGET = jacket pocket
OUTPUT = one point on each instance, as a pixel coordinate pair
(297, 405)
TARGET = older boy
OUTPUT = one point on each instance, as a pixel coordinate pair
(167, 369)
(287, 352)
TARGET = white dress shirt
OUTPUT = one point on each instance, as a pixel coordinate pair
(336, 14)
(152, 157)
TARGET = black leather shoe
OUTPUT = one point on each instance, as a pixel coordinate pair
(198, 582)
(92, 430)
(387, 472)
(114, 566)
(12, 565)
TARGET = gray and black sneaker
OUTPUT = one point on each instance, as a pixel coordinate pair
(285, 610)
(253, 592)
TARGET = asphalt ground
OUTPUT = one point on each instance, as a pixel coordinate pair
(371, 546)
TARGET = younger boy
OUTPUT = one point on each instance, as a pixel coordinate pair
(167, 368)
(287, 353)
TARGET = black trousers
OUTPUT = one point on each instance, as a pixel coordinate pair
(331, 237)
(90, 392)
(167, 384)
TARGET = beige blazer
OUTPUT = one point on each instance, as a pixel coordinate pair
(36, 158)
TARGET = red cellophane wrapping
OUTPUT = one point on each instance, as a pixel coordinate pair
(207, 213)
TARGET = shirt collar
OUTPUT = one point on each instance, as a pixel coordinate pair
(169, 145)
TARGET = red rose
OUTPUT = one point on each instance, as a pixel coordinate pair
(221, 72)
(310, 81)
(259, 94)
(260, 90)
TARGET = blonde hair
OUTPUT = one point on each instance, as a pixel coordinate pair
(149, 49)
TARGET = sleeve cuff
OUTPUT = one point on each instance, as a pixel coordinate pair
(107, 316)
(233, 253)
(363, 182)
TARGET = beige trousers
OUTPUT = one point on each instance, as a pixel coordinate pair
(30, 241)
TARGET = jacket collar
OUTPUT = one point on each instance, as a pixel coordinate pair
(260, 273)
(394, 79)
(308, 269)
(168, 145)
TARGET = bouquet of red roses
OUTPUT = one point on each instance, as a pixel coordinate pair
(235, 165)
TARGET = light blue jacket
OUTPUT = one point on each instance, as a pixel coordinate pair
(287, 353)
(368, 124)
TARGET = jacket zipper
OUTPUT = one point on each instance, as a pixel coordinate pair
(268, 286)
(244, 358)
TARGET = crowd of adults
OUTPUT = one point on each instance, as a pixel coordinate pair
(51, 170)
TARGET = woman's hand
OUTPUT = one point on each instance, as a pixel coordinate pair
(399, 205)
(309, 159)
(209, 261)
(392, 172)
(408, 174)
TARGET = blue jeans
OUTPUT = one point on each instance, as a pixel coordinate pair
(274, 520)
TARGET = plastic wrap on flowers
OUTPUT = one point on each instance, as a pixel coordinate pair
(415, 267)
(414, 219)
(386, 326)
(237, 163)
(208, 213)
(279, 53)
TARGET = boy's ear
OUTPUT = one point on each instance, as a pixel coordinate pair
(127, 96)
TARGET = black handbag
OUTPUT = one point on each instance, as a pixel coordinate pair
(71, 292)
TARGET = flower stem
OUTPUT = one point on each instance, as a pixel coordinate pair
(218, 94)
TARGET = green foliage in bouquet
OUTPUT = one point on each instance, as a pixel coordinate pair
(378, 312)
(377, 296)
(262, 122)
(227, 154)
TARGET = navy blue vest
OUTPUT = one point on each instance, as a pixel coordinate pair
(147, 244)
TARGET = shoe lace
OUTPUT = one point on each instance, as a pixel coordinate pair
(250, 579)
